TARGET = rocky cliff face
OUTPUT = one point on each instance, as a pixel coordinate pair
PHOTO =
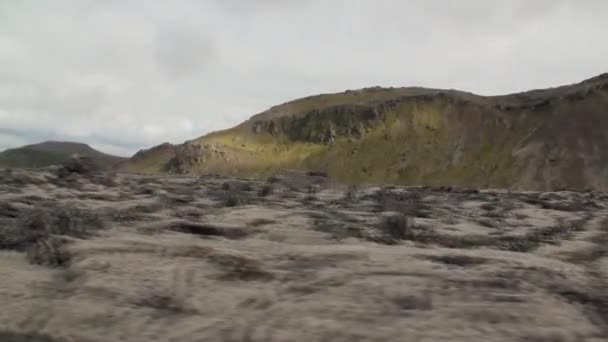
(542, 139)
(324, 125)
(191, 154)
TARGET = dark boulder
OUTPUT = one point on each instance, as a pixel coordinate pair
(79, 165)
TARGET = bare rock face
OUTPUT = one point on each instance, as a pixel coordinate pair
(324, 125)
(190, 154)
(186, 155)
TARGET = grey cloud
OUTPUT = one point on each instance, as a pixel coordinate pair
(183, 50)
(130, 74)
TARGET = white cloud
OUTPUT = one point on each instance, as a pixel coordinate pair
(130, 74)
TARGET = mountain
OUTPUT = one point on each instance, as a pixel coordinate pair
(53, 153)
(152, 160)
(542, 139)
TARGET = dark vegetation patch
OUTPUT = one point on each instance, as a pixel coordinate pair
(149, 208)
(352, 195)
(535, 238)
(516, 243)
(133, 214)
(236, 267)
(100, 197)
(450, 220)
(266, 190)
(429, 236)
(175, 200)
(12, 336)
(50, 252)
(302, 289)
(231, 198)
(261, 222)
(9, 210)
(572, 206)
(310, 200)
(203, 230)
(553, 201)
(31, 199)
(238, 186)
(165, 301)
(198, 252)
(124, 215)
(274, 179)
(42, 233)
(409, 203)
(321, 174)
(313, 189)
(496, 213)
(456, 260)
(106, 179)
(414, 303)
(488, 206)
(505, 284)
(78, 165)
(492, 316)
(73, 171)
(146, 190)
(488, 223)
(394, 228)
(337, 229)
(36, 224)
(288, 195)
(188, 213)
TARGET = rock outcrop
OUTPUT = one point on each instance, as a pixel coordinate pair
(191, 154)
(324, 125)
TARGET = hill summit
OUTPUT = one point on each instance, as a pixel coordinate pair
(54, 153)
(542, 139)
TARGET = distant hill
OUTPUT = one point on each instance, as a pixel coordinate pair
(542, 139)
(53, 153)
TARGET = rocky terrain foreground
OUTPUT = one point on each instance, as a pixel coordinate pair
(297, 257)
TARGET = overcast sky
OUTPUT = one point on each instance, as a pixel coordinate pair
(123, 75)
